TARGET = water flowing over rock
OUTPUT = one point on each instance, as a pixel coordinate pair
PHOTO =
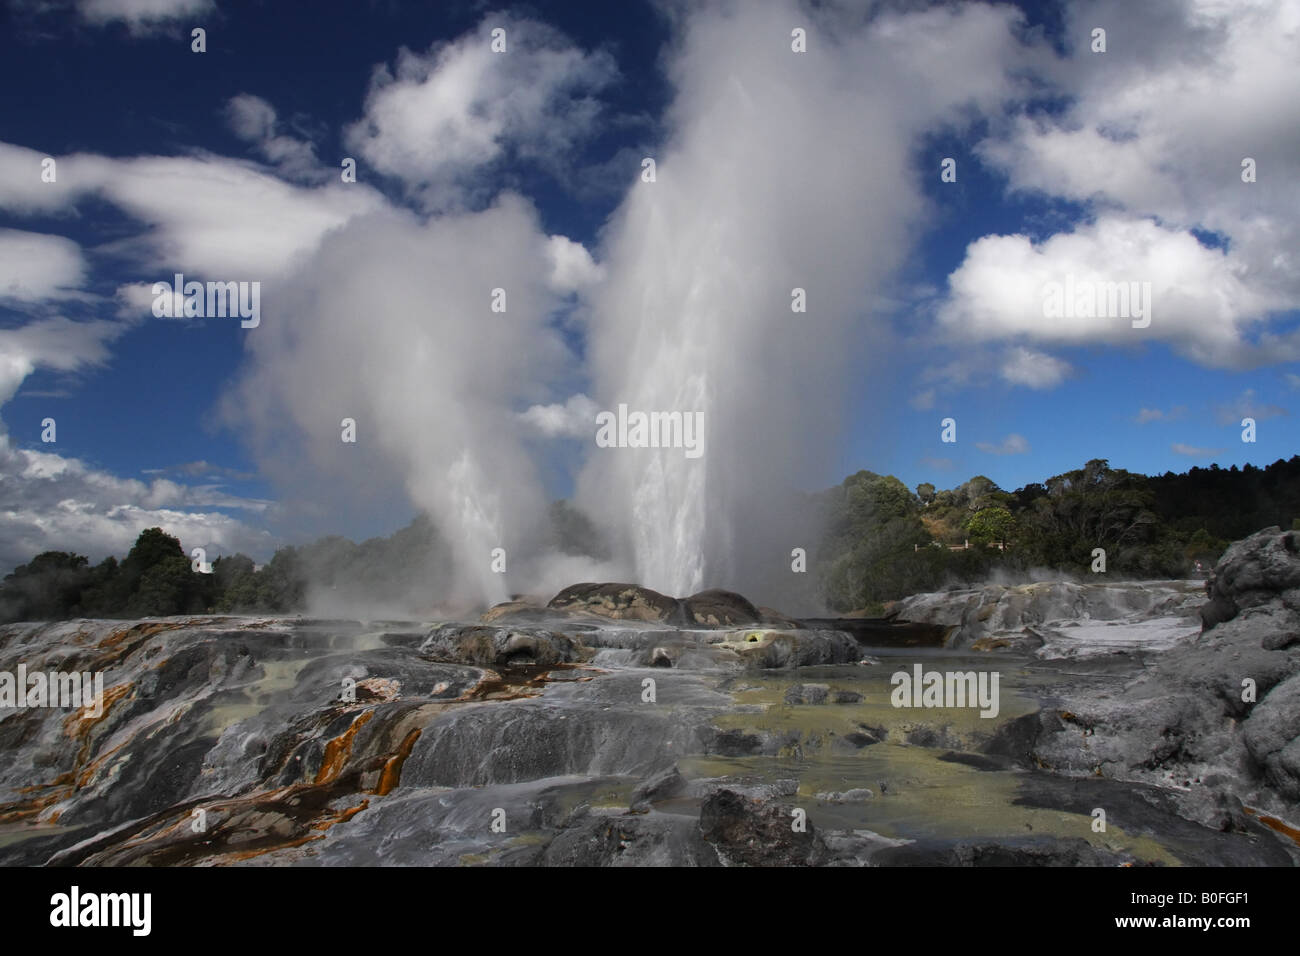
(621, 727)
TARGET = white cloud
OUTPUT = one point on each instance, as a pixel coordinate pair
(142, 16)
(1013, 444)
(572, 267)
(207, 215)
(22, 190)
(219, 217)
(576, 418)
(1130, 143)
(35, 266)
(1201, 301)
(1022, 366)
(440, 116)
(250, 117)
(57, 343)
(253, 119)
(50, 501)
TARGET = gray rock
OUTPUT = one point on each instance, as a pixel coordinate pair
(660, 786)
(746, 832)
(807, 694)
(1272, 734)
(619, 602)
(856, 795)
(719, 608)
(655, 839)
(501, 646)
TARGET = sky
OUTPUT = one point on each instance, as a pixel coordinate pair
(522, 168)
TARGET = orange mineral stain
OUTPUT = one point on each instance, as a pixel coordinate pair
(1279, 826)
(339, 749)
(392, 772)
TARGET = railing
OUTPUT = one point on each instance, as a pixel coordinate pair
(964, 546)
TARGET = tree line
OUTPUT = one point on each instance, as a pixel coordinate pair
(884, 542)
(880, 542)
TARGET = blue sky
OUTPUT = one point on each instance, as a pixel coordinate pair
(1059, 148)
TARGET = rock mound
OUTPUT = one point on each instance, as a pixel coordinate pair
(1218, 716)
(714, 607)
(718, 608)
(1255, 572)
(619, 602)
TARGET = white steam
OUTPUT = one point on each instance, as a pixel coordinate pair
(784, 170)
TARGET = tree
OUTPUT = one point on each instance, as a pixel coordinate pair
(990, 525)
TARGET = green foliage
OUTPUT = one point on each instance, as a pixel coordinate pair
(994, 523)
(873, 550)
(880, 542)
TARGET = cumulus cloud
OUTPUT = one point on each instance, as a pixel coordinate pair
(572, 268)
(1200, 300)
(48, 500)
(53, 501)
(1130, 144)
(575, 418)
(1013, 444)
(1022, 366)
(440, 117)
